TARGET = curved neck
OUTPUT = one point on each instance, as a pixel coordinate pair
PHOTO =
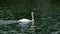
(32, 14)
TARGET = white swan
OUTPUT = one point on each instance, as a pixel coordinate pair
(26, 21)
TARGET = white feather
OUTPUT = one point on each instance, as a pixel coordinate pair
(24, 21)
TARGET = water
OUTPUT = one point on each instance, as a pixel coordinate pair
(11, 27)
(7, 21)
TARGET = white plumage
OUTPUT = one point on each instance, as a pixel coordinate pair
(24, 21)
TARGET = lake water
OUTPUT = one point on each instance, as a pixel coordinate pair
(7, 21)
(11, 28)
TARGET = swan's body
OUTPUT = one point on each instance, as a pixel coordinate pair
(24, 21)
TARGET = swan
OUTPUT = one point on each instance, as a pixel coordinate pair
(26, 21)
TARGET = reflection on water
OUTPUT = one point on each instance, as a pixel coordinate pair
(12, 27)
(7, 21)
